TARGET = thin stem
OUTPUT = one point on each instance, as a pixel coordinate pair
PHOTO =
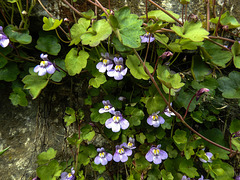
(221, 38)
(147, 49)
(218, 23)
(219, 44)
(175, 112)
(73, 8)
(185, 12)
(188, 106)
(214, 8)
(60, 37)
(109, 5)
(100, 5)
(170, 15)
(182, 11)
(146, 10)
(93, 3)
(208, 15)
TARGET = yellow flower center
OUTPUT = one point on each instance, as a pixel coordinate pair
(156, 151)
(130, 144)
(155, 117)
(106, 107)
(116, 118)
(121, 151)
(118, 67)
(43, 63)
(69, 175)
(102, 154)
(105, 61)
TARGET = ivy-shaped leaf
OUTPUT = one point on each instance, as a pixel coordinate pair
(215, 54)
(70, 116)
(78, 29)
(45, 157)
(58, 75)
(186, 166)
(48, 43)
(99, 31)
(199, 68)
(141, 138)
(136, 115)
(49, 172)
(236, 54)
(136, 68)
(191, 30)
(9, 72)
(127, 27)
(89, 14)
(35, 83)
(4, 51)
(97, 117)
(160, 15)
(18, 97)
(99, 79)
(168, 78)
(18, 35)
(230, 86)
(75, 61)
(50, 23)
(226, 19)
(180, 136)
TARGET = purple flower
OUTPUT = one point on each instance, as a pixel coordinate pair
(4, 41)
(237, 177)
(106, 63)
(185, 178)
(167, 112)
(117, 122)
(119, 71)
(156, 155)
(145, 38)
(68, 176)
(103, 157)
(107, 107)
(45, 66)
(200, 92)
(121, 153)
(202, 178)
(155, 120)
(166, 54)
(130, 144)
(209, 156)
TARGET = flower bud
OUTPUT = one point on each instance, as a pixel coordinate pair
(200, 92)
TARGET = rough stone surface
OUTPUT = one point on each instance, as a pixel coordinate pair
(33, 129)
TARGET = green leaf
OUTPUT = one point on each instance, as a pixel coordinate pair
(4, 52)
(226, 19)
(188, 152)
(160, 15)
(18, 35)
(119, 46)
(141, 138)
(172, 153)
(141, 162)
(4, 150)
(48, 43)
(188, 44)
(230, 86)
(35, 83)
(197, 116)
(236, 54)
(191, 30)
(136, 115)
(184, 98)
(9, 72)
(75, 61)
(99, 79)
(50, 23)
(168, 78)
(97, 117)
(166, 175)
(184, 1)
(180, 137)
(153, 102)
(99, 31)
(87, 132)
(99, 168)
(58, 75)
(49, 172)
(74, 140)
(18, 97)
(129, 28)
(89, 14)
(215, 54)
(136, 68)
(162, 38)
(199, 68)
(186, 166)
(234, 126)
(45, 157)
(78, 29)
(70, 116)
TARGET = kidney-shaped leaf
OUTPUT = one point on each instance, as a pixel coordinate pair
(50, 23)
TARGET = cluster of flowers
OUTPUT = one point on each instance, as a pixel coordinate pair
(4, 41)
(117, 122)
(107, 65)
(155, 154)
(186, 178)
(155, 120)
